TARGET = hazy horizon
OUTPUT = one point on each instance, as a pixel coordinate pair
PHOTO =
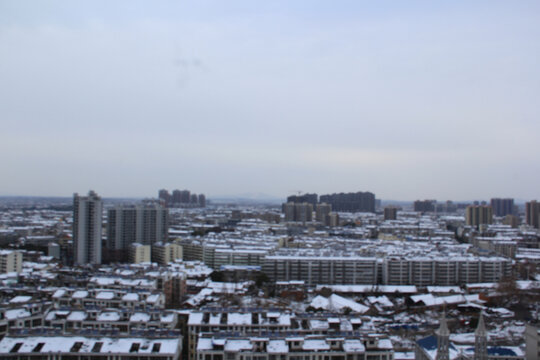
(257, 198)
(414, 100)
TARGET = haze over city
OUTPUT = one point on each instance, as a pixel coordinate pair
(405, 99)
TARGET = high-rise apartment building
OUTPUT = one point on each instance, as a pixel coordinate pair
(424, 205)
(511, 220)
(332, 219)
(502, 207)
(121, 231)
(164, 196)
(532, 213)
(87, 213)
(152, 223)
(351, 202)
(288, 210)
(182, 199)
(476, 215)
(446, 207)
(185, 196)
(145, 224)
(302, 212)
(202, 200)
(306, 198)
(390, 213)
(176, 197)
(322, 211)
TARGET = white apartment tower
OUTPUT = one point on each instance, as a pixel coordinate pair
(87, 213)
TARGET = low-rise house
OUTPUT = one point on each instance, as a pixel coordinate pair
(86, 347)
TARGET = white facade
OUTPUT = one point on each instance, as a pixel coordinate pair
(166, 253)
(10, 261)
(139, 253)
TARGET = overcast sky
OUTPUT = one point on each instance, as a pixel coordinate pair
(407, 99)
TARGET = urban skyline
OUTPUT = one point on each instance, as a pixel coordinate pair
(279, 180)
(262, 198)
(190, 283)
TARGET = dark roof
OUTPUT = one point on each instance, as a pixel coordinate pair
(428, 343)
(497, 351)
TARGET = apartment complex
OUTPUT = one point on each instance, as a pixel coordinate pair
(322, 210)
(476, 215)
(229, 249)
(310, 347)
(350, 202)
(502, 207)
(320, 268)
(305, 198)
(181, 198)
(301, 212)
(235, 333)
(424, 205)
(326, 267)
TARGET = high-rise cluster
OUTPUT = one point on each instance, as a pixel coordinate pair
(477, 215)
(182, 199)
(351, 202)
(302, 212)
(424, 205)
(347, 202)
(502, 207)
(146, 223)
(306, 198)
